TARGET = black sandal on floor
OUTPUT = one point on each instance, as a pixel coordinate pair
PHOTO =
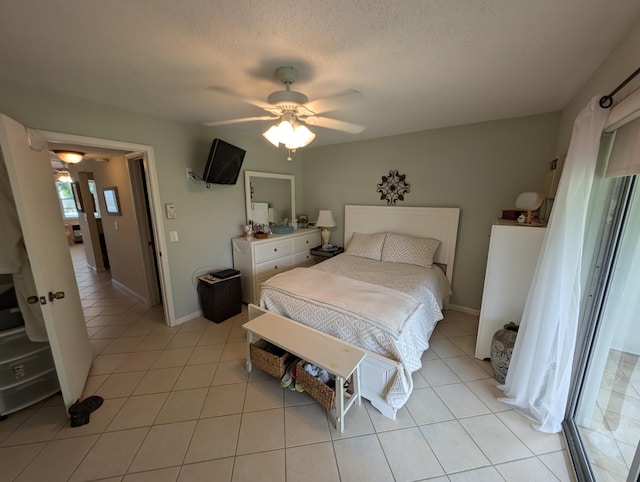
(89, 404)
(80, 418)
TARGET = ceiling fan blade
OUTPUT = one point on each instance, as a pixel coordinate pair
(335, 102)
(335, 124)
(230, 93)
(238, 121)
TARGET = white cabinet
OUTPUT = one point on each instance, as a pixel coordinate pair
(513, 255)
(260, 259)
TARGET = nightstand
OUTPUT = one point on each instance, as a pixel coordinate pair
(319, 252)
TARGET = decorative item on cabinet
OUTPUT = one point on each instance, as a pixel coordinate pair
(501, 350)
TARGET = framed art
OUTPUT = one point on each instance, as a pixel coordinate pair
(111, 201)
(75, 187)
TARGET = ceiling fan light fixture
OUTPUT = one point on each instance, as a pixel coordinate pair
(290, 134)
(272, 136)
(70, 157)
(301, 137)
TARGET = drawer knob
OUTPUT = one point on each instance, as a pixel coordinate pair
(275, 267)
(275, 249)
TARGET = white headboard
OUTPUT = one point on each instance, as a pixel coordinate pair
(423, 222)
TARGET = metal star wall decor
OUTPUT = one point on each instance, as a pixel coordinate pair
(393, 187)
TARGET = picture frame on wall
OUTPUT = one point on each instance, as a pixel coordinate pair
(111, 201)
(75, 187)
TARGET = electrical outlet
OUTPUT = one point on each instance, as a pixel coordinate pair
(188, 173)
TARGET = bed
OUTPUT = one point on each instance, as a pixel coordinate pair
(384, 294)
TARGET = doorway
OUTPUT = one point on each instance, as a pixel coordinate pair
(157, 245)
(603, 423)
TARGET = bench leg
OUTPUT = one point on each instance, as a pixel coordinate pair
(249, 341)
(340, 404)
(356, 384)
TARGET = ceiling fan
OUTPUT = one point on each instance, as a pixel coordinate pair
(293, 109)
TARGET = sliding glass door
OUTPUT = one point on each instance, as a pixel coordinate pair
(603, 426)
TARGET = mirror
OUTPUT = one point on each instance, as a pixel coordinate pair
(269, 197)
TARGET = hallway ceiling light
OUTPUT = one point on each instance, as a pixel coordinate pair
(70, 157)
(64, 176)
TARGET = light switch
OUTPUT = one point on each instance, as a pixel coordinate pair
(171, 211)
(173, 235)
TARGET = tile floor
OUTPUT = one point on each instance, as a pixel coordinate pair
(179, 406)
(610, 436)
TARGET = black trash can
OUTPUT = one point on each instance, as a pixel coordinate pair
(220, 294)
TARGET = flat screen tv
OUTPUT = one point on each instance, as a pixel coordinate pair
(223, 164)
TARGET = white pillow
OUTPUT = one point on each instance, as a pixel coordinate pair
(400, 248)
(366, 245)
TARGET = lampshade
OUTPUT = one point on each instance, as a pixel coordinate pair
(289, 133)
(70, 157)
(529, 201)
(325, 219)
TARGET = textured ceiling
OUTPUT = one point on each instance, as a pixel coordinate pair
(419, 64)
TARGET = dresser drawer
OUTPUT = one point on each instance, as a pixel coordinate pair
(306, 242)
(303, 258)
(271, 268)
(273, 250)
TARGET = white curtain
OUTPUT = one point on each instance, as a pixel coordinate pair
(537, 383)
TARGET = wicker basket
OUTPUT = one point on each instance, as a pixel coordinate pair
(269, 358)
(325, 395)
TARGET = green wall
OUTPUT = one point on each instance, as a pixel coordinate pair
(480, 168)
(207, 218)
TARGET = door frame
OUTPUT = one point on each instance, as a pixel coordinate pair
(155, 203)
(135, 161)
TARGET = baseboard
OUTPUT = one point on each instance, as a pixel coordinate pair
(464, 309)
(130, 292)
(190, 316)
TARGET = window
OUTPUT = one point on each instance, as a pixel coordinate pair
(67, 201)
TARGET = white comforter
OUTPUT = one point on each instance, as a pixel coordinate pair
(389, 308)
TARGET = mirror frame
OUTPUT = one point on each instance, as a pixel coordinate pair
(269, 175)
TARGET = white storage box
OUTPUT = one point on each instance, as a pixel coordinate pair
(25, 394)
(23, 368)
(15, 344)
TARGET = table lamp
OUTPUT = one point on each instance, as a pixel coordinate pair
(529, 201)
(325, 221)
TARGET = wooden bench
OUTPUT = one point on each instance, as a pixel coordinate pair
(337, 357)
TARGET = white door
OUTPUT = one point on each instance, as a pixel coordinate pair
(26, 156)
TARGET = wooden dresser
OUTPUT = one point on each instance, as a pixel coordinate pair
(260, 259)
